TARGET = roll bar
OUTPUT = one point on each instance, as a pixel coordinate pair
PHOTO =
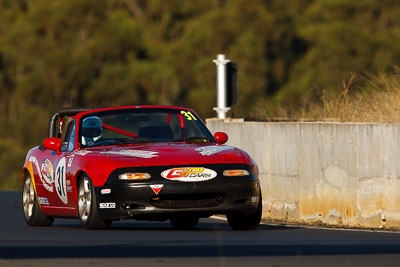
(70, 111)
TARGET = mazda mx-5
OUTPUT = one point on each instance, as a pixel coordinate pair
(138, 162)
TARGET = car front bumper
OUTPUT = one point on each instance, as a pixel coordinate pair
(203, 199)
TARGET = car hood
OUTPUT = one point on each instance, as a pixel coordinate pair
(168, 153)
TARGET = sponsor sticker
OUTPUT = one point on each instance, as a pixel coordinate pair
(189, 174)
(156, 188)
(134, 153)
(43, 201)
(47, 186)
(211, 150)
(47, 171)
(107, 205)
(105, 191)
(60, 181)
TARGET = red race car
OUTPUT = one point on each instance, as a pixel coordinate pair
(141, 162)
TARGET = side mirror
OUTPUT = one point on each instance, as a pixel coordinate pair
(53, 143)
(221, 137)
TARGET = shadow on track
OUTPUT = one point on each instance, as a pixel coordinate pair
(166, 250)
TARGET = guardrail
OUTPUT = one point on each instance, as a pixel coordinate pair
(338, 174)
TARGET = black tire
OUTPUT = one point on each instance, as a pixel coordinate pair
(87, 206)
(240, 221)
(184, 222)
(33, 213)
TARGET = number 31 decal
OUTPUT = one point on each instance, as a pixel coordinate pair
(60, 181)
(189, 116)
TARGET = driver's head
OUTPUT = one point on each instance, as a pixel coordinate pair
(91, 129)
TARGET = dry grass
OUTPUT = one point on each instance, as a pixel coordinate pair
(378, 100)
(361, 99)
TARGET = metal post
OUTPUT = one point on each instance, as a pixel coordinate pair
(221, 108)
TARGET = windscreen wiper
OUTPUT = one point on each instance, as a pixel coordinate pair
(196, 139)
(120, 142)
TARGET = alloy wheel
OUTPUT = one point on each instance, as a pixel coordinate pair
(85, 200)
(28, 198)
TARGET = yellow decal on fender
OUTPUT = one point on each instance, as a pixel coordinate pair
(30, 170)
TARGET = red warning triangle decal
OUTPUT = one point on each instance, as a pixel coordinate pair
(156, 188)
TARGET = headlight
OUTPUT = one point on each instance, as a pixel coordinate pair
(235, 173)
(134, 176)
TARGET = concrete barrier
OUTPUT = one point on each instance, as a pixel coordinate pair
(339, 174)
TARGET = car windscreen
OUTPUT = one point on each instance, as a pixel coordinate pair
(142, 125)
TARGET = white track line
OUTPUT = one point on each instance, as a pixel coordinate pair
(223, 218)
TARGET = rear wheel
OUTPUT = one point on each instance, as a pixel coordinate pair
(33, 213)
(240, 221)
(184, 222)
(87, 206)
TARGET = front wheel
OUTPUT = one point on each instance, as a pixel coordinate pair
(87, 206)
(239, 221)
(33, 213)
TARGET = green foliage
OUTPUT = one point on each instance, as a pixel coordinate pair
(344, 37)
(12, 158)
(126, 52)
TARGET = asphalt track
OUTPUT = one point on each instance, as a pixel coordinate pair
(211, 243)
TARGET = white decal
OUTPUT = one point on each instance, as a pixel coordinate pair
(156, 188)
(211, 150)
(43, 201)
(134, 153)
(189, 174)
(60, 181)
(107, 205)
(82, 152)
(49, 187)
(47, 171)
(105, 191)
(70, 160)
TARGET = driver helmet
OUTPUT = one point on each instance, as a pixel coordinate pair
(91, 130)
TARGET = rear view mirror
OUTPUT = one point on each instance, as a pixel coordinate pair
(221, 137)
(53, 143)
